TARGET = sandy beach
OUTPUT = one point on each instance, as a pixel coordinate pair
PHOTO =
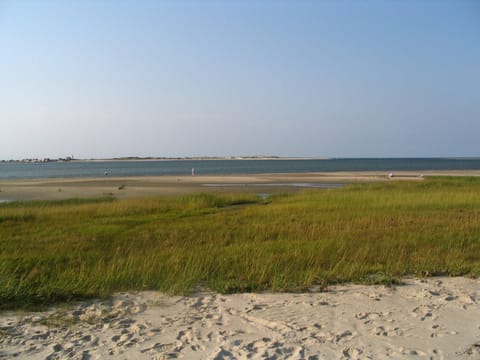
(213, 180)
(122, 187)
(434, 318)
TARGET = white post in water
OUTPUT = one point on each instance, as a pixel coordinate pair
(193, 171)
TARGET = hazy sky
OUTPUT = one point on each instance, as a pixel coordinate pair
(191, 78)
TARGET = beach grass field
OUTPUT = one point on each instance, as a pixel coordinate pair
(55, 251)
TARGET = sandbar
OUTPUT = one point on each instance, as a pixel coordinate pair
(147, 186)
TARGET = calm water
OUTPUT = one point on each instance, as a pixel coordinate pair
(212, 167)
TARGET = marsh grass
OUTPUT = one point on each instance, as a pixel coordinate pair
(54, 251)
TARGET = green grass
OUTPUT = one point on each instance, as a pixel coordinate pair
(371, 233)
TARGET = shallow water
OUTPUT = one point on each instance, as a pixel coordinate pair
(226, 167)
(301, 185)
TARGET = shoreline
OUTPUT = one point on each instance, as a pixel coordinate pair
(424, 318)
(215, 158)
(140, 159)
(147, 186)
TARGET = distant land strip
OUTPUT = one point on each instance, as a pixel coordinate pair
(160, 158)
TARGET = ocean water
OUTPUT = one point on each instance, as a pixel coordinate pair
(226, 167)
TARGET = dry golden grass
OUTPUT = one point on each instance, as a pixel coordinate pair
(371, 233)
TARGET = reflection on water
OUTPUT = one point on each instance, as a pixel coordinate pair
(3, 201)
(263, 196)
(302, 185)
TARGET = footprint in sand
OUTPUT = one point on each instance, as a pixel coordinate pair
(424, 312)
(255, 307)
(221, 354)
(188, 337)
(173, 347)
(387, 331)
(412, 352)
(351, 353)
(373, 318)
(340, 337)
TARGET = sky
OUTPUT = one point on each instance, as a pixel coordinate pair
(100, 79)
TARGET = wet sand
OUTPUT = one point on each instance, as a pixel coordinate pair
(122, 187)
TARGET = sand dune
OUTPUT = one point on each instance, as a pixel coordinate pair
(437, 318)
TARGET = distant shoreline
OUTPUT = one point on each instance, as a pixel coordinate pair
(150, 158)
(203, 158)
(220, 158)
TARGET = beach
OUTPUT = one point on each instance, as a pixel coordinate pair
(148, 186)
(424, 318)
(433, 318)
(239, 180)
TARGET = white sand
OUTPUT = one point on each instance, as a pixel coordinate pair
(438, 318)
